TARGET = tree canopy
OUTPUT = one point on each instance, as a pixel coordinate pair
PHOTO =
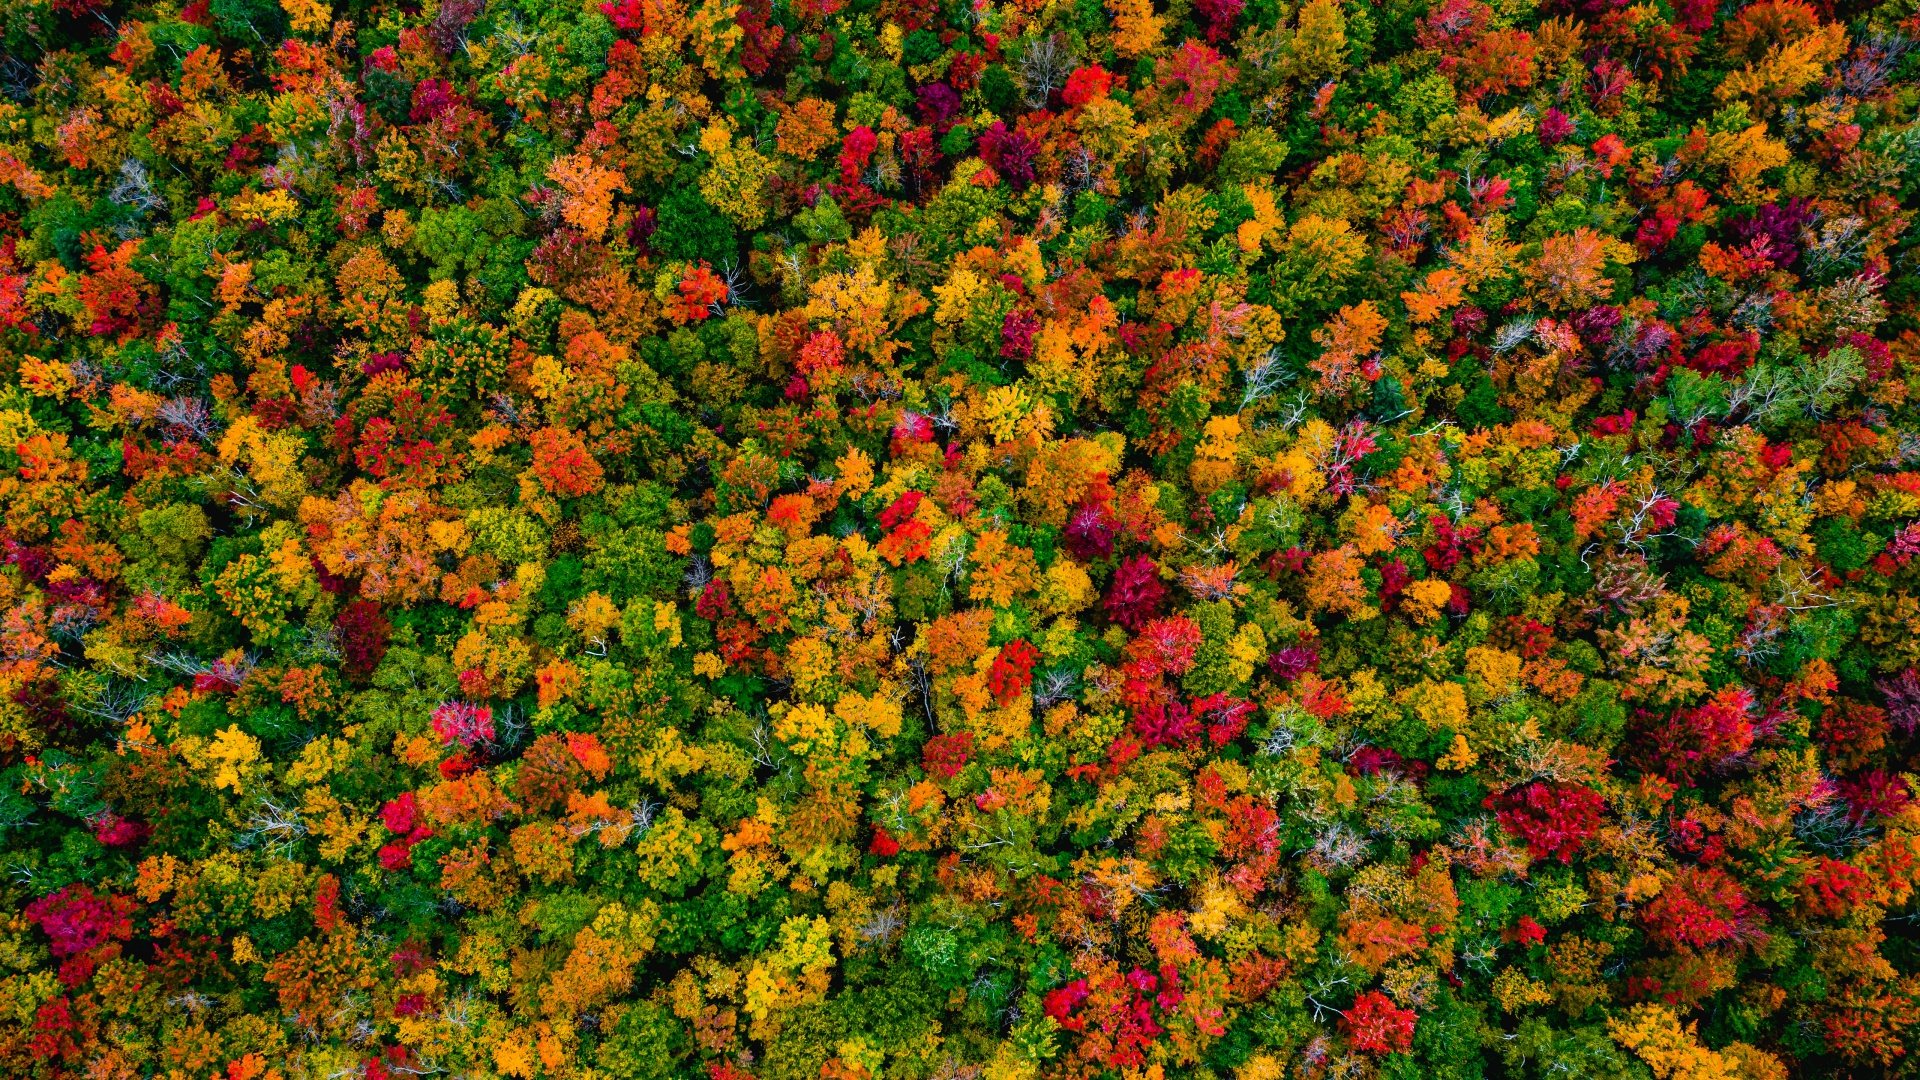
(959, 539)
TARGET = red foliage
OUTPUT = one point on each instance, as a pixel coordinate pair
(1017, 331)
(1852, 731)
(1833, 888)
(1226, 717)
(945, 755)
(1220, 16)
(1090, 532)
(326, 903)
(77, 920)
(855, 151)
(907, 538)
(1375, 1025)
(364, 634)
(113, 830)
(1136, 593)
(900, 510)
(1161, 723)
(1692, 742)
(1875, 794)
(1701, 906)
(715, 602)
(463, 723)
(1012, 671)
(84, 927)
(1165, 646)
(1087, 84)
(58, 1032)
(1011, 153)
(1115, 1013)
(402, 816)
(1555, 820)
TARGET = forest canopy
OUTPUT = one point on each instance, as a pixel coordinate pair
(959, 539)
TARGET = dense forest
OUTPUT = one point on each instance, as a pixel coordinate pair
(959, 539)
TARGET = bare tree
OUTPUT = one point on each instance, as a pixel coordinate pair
(1264, 379)
(1044, 65)
(135, 188)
